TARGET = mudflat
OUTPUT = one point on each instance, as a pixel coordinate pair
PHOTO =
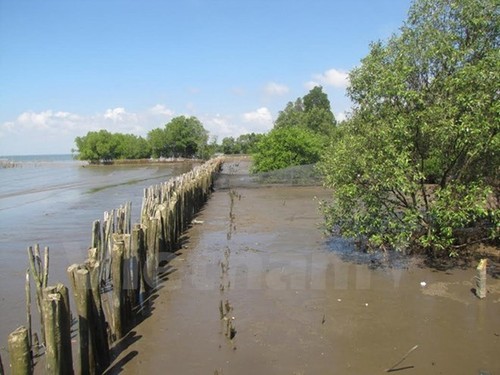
(297, 306)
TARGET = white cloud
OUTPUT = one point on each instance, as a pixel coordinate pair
(46, 120)
(160, 109)
(261, 115)
(332, 77)
(309, 85)
(340, 116)
(58, 129)
(220, 126)
(115, 114)
(273, 88)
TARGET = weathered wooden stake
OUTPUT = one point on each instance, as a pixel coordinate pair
(80, 283)
(136, 260)
(117, 279)
(28, 310)
(64, 326)
(481, 279)
(19, 350)
(56, 360)
(40, 273)
(97, 324)
(96, 236)
(127, 286)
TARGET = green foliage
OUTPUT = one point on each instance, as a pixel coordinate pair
(292, 115)
(244, 144)
(130, 146)
(181, 137)
(284, 147)
(103, 146)
(157, 139)
(300, 132)
(420, 155)
(312, 112)
(186, 137)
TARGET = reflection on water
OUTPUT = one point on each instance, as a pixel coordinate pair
(54, 203)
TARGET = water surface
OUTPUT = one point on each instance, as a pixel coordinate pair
(53, 200)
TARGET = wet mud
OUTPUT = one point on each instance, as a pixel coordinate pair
(297, 306)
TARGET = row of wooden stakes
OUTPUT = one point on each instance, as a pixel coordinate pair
(114, 284)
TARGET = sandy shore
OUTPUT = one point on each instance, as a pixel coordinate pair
(298, 308)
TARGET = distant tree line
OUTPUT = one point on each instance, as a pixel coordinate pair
(244, 144)
(182, 137)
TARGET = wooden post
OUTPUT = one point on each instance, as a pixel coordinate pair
(127, 285)
(64, 326)
(96, 235)
(80, 283)
(1, 366)
(28, 311)
(136, 250)
(19, 350)
(116, 277)
(53, 311)
(97, 323)
(481, 279)
(152, 252)
(40, 275)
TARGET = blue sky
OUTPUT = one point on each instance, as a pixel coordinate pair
(71, 66)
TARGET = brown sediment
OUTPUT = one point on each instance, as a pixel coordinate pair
(298, 308)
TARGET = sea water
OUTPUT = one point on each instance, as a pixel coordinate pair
(52, 200)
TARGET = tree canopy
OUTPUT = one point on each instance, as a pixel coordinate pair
(285, 147)
(244, 144)
(98, 146)
(308, 119)
(181, 137)
(185, 136)
(419, 158)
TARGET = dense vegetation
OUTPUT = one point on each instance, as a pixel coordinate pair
(244, 144)
(181, 137)
(417, 164)
(300, 133)
(103, 146)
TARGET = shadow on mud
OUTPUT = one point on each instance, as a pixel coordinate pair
(347, 250)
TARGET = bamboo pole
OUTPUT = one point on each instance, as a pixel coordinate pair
(97, 323)
(54, 318)
(481, 279)
(28, 311)
(136, 249)
(40, 275)
(117, 279)
(45, 277)
(127, 285)
(64, 326)
(19, 350)
(96, 235)
(80, 283)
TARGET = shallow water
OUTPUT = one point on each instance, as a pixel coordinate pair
(54, 202)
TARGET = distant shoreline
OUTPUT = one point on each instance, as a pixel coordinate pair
(143, 161)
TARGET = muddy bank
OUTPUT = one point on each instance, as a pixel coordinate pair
(298, 308)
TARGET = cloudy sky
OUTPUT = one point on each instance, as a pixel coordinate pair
(71, 66)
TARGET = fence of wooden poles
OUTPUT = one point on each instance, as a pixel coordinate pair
(112, 284)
